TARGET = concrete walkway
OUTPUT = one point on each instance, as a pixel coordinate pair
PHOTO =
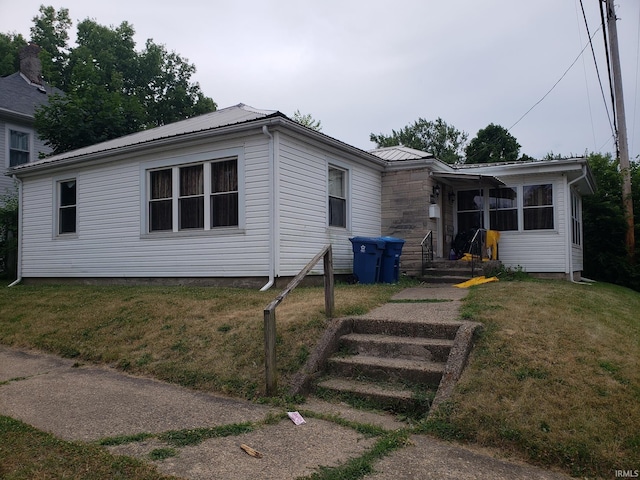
(88, 403)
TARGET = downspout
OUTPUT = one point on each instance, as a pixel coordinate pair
(19, 261)
(569, 222)
(272, 209)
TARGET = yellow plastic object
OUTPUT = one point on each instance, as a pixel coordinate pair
(493, 237)
(476, 281)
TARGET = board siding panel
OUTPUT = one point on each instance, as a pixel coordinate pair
(303, 207)
(539, 250)
(109, 241)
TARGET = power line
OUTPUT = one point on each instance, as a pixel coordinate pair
(595, 62)
(555, 84)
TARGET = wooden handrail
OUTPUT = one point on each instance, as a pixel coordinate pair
(270, 312)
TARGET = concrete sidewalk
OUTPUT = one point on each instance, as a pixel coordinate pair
(88, 403)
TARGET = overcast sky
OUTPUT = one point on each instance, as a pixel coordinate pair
(363, 66)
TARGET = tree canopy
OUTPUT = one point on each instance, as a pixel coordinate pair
(604, 225)
(110, 88)
(307, 120)
(437, 137)
(492, 144)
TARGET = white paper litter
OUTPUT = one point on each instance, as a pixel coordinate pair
(296, 418)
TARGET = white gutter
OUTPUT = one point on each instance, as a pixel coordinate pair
(19, 262)
(272, 201)
(569, 222)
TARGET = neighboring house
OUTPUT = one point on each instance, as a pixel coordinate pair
(243, 196)
(20, 94)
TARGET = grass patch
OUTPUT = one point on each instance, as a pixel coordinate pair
(554, 377)
(160, 454)
(202, 338)
(27, 453)
(359, 467)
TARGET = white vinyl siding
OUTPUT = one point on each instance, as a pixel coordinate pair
(302, 198)
(111, 207)
(537, 250)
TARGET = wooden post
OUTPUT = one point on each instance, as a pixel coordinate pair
(270, 313)
(270, 351)
(621, 134)
(328, 283)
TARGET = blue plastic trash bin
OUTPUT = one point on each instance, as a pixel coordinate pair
(367, 256)
(390, 266)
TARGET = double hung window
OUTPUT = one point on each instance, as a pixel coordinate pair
(197, 196)
(67, 205)
(19, 147)
(538, 207)
(503, 209)
(337, 197)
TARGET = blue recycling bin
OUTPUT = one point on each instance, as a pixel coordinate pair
(367, 257)
(390, 265)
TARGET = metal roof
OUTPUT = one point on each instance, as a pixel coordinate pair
(399, 153)
(224, 117)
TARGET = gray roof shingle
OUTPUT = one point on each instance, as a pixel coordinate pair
(20, 96)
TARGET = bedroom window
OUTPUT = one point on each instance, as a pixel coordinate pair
(191, 199)
(199, 196)
(538, 207)
(67, 196)
(224, 193)
(19, 147)
(503, 209)
(337, 197)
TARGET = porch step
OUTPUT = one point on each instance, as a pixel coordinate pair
(387, 369)
(391, 396)
(407, 328)
(408, 348)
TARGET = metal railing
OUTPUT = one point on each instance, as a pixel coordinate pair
(427, 250)
(270, 312)
(478, 248)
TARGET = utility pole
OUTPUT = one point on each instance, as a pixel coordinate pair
(621, 134)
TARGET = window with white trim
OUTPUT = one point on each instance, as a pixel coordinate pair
(199, 196)
(537, 207)
(337, 197)
(67, 206)
(19, 147)
(576, 223)
(503, 208)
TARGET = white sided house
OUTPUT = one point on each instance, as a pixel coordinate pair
(535, 205)
(238, 196)
(245, 197)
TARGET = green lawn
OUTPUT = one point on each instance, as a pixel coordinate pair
(554, 378)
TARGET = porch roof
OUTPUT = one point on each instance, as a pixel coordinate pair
(465, 179)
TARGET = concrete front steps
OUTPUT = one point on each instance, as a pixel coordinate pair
(451, 271)
(393, 364)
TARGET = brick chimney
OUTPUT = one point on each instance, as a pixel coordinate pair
(30, 65)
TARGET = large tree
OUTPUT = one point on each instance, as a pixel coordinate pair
(110, 88)
(437, 137)
(50, 32)
(10, 45)
(492, 144)
(604, 224)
